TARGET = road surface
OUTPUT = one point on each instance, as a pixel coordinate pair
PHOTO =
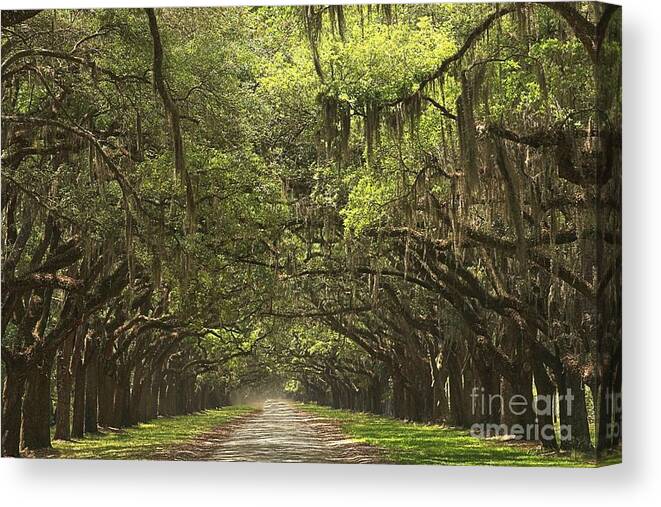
(279, 433)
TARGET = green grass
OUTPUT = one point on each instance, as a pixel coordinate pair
(425, 444)
(142, 441)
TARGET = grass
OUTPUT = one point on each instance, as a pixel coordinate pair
(426, 444)
(402, 442)
(146, 439)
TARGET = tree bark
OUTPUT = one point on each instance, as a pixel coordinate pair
(37, 409)
(398, 396)
(106, 395)
(78, 415)
(63, 407)
(106, 391)
(573, 412)
(91, 394)
(79, 381)
(545, 409)
(456, 391)
(122, 398)
(12, 404)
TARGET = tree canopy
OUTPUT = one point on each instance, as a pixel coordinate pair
(385, 208)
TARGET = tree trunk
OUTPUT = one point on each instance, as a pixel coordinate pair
(375, 395)
(63, 407)
(440, 399)
(91, 394)
(145, 399)
(516, 390)
(488, 406)
(122, 398)
(37, 408)
(456, 391)
(106, 394)
(78, 416)
(574, 428)
(471, 388)
(545, 407)
(136, 399)
(12, 405)
(398, 397)
(204, 394)
(155, 386)
(163, 406)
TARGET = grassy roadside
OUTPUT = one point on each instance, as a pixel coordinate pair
(146, 439)
(422, 444)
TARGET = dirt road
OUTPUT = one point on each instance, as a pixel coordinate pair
(280, 433)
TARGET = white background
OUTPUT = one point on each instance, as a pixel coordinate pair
(637, 481)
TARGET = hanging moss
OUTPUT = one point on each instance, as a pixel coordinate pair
(394, 121)
(541, 80)
(139, 138)
(91, 161)
(522, 23)
(345, 131)
(337, 21)
(313, 24)
(157, 272)
(467, 133)
(130, 256)
(413, 111)
(335, 140)
(512, 190)
(387, 13)
(371, 128)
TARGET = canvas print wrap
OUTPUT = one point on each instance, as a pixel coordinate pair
(330, 233)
